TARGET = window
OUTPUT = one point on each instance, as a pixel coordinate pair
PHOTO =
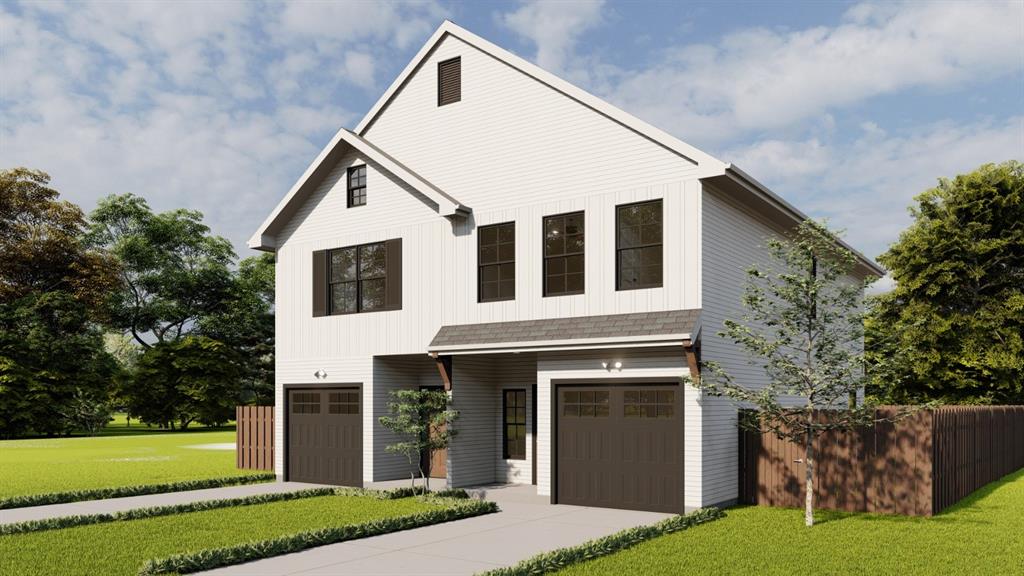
(357, 186)
(358, 278)
(649, 404)
(343, 403)
(638, 232)
(449, 81)
(497, 260)
(591, 403)
(515, 425)
(563, 254)
(306, 403)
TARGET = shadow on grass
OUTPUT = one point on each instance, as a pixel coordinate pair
(957, 513)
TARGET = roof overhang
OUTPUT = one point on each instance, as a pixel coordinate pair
(344, 140)
(744, 188)
(653, 341)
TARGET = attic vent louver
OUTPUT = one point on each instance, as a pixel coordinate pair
(449, 81)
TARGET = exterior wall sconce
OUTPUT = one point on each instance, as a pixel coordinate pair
(320, 374)
(617, 365)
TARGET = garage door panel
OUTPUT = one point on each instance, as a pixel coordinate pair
(325, 436)
(619, 447)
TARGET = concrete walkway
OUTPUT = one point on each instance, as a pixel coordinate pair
(527, 525)
(165, 499)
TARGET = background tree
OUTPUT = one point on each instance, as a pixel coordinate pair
(51, 285)
(246, 323)
(953, 327)
(423, 421)
(173, 271)
(193, 379)
(804, 325)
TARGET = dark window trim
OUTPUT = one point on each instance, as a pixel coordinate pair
(545, 257)
(351, 189)
(619, 249)
(358, 281)
(479, 267)
(506, 455)
(439, 66)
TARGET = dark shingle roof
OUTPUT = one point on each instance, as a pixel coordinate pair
(582, 327)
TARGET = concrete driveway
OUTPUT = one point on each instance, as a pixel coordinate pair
(527, 525)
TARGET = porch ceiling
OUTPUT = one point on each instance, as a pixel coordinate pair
(612, 329)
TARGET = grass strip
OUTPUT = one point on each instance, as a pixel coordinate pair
(153, 511)
(563, 557)
(123, 491)
(229, 555)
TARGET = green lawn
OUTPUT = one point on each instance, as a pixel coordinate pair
(57, 464)
(982, 535)
(122, 547)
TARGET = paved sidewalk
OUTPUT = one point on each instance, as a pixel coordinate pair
(167, 498)
(527, 525)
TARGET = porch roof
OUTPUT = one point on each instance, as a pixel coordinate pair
(636, 329)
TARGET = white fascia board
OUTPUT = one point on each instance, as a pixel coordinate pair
(551, 345)
(446, 205)
(734, 172)
(703, 160)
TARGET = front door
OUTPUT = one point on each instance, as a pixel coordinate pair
(436, 463)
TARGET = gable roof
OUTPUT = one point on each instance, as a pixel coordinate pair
(449, 28)
(264, 239)
(711, 169)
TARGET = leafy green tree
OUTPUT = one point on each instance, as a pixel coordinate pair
(952, 329)
(803, 323)
(87, 412)
(194, 379)
(173, 271)
(246, 323)
(51, 284)
(423, 421)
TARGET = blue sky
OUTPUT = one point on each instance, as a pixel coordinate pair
(847, 109)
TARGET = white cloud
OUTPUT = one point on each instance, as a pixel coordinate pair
(866, 185)
(216, 106)
(554, 27)
(759, 79)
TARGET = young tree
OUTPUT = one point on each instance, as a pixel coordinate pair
(804, 325)
(423, 421)
(88, 413)
(952, 329)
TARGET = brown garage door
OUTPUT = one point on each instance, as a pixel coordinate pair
(620, 446)
(325, 436)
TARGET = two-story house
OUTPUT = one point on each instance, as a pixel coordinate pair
(552, 261)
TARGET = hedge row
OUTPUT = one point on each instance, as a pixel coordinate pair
(229, 555)
(138, 513)
(564, 557)
(123, 491)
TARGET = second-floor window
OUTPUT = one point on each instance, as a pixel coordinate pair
(357, 186)
(496, 255)
(638, 245)
(563, 254)
(358, 278)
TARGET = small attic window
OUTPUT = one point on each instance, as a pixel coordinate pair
(449, 81)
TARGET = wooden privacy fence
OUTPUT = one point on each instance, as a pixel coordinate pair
(917, 466)
(254, 437)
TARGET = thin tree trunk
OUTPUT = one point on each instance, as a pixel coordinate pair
(809, 478)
